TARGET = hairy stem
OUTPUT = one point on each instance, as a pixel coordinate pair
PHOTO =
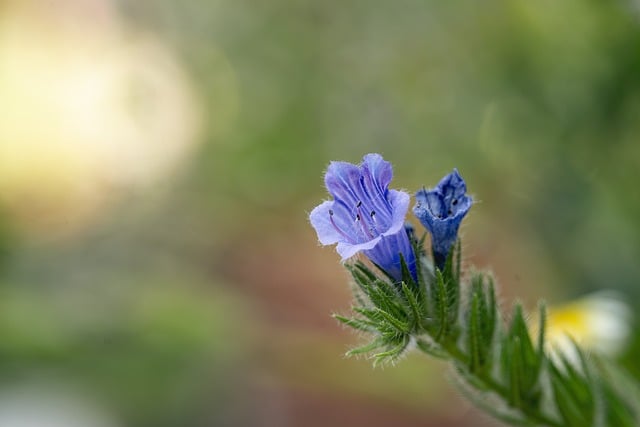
(454, 353)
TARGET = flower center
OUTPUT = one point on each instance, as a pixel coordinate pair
(363, 227)
(443, 207)
(450, 210)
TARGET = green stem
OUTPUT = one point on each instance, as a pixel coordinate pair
(532, 414)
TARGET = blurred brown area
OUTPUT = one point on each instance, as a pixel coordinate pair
(158, 160)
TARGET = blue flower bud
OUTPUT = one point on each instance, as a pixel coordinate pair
(441, 211)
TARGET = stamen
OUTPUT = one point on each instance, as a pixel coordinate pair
(342, 233)
(374, 222)
(364, 227)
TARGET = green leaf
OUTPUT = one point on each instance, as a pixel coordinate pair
(608, 406)
(369, 313)
(621, 390)
(492, 306)
(458, 259)
(360, 276)
(406, 273)
(377, 343)
(521, 363)
(572, 394)
(365, 270)
(392, 353)
(401, 326)
(452, 284)
(542, 324)
(418, 250)
(480, 323)
(439, 301)
(359, 324)
(417, 309)
(512, 367)
(473, 333)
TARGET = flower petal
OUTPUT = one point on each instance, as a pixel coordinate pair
(436, 204)
(321, 221)
(422, 209)
(452, 186)
(378, 169)
(376, 176)
(463, 206)
(343, 182)
(399, 201)
(365, 184)
(347, 250)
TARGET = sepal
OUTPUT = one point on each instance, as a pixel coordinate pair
(444, 299)
(521, 363)
(481, 318)
(394, 313)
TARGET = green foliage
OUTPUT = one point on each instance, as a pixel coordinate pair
(520, 363)
(161, 341)
(502, 368)
(584, 394)
(481, 324)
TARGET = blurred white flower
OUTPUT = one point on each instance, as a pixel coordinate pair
(600, 322)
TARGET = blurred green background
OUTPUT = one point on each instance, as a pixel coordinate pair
(158, 160)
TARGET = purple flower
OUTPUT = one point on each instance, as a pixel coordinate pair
(364, 215)
(441, 210)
